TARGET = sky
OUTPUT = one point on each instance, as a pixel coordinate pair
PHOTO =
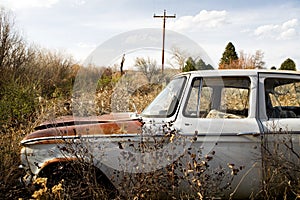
(77, 27)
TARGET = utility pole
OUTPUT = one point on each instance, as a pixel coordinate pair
(164, 27)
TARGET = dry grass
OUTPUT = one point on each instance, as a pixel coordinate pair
(10, 185)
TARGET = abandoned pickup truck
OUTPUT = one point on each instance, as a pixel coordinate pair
(213, 134)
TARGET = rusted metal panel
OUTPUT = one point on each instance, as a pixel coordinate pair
(76, 120)
(106, 128)
(57, 160)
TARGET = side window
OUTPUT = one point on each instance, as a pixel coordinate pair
(282, 97)
(222, 97)
(235, 101)
(193, 107)
(205, 100)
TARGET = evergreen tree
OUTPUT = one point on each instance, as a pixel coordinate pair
(190, 65)
(209, 67)
(200, 65)
(229, 56)
(288, 64)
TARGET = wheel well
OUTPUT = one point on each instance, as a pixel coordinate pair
(57, 171)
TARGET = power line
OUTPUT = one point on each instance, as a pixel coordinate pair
(164, 27)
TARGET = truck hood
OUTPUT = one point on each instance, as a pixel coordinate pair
(72, 127)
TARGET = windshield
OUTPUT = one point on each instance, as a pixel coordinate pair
(165, 104)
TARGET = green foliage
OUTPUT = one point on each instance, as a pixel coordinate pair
(49, 73)
(200, 65)
(192, 65)
(106, 80)
(288, 64)
(229, 55)
(17, 104)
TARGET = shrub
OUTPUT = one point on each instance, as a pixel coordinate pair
(288, 64)
(17, 104)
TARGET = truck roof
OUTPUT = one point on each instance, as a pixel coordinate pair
(238, 72)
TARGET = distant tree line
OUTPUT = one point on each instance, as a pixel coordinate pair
(231, 60)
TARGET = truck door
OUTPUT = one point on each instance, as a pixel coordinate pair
(220, 112)
(280, 116)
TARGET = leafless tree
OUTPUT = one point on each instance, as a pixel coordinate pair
(179, 56)
(14, 52)
(148, 67)
(248, 61)
(258, 59)
(53, 70)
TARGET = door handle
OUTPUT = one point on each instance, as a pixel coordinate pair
(188, 124)
(254, 134)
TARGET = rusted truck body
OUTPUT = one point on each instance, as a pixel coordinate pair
(232, 118)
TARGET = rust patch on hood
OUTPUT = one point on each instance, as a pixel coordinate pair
(88, 126)
(75, 120)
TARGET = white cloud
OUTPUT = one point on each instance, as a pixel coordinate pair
(266, 30)
(290, 33)
(284, 31)
(290, 24)
(204, 19)
(21, 4)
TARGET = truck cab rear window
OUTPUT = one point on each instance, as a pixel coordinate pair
(282, 98)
